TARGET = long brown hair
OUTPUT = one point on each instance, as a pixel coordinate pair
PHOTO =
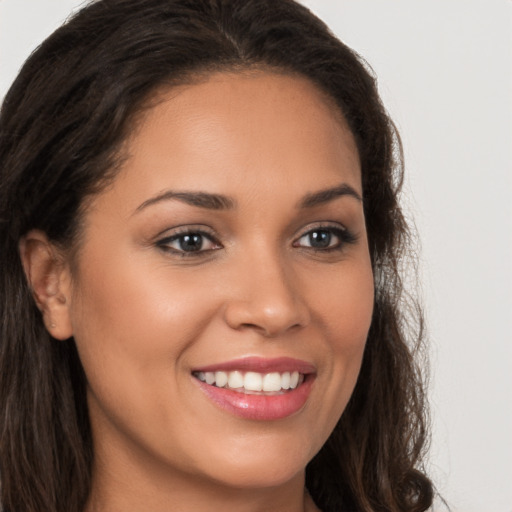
(62, 125)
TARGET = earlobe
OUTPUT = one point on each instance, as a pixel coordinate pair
(50, 281)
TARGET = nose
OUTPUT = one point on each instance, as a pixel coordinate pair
(266, 299)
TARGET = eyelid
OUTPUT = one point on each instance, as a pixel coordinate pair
(319, 226)
(184, 229)
(342, 232)
(165, 238)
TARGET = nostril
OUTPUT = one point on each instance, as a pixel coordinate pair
(268, 321)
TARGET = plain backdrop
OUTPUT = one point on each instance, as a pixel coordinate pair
(445, 73)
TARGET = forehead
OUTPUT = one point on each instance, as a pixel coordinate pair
(232, 132)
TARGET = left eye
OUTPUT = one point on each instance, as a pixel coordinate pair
(322, 238)
(188, 242)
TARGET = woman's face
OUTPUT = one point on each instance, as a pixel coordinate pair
(230, 247)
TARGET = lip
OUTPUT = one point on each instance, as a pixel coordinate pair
(261, 365)
(256, 406)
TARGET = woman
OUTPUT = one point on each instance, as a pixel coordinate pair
(201, 305)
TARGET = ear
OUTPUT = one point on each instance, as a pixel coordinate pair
(49, 278)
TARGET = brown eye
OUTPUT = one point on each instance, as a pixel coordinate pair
(189, 242)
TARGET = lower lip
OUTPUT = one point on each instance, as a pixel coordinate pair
(259, 407)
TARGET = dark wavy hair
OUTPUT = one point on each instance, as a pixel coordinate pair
(62, 126)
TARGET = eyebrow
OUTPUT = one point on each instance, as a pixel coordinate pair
(210, 201)
(327, 195)
(200, 199)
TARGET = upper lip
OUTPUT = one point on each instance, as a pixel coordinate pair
(261, 365)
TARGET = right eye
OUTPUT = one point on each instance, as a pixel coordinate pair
(189, 243)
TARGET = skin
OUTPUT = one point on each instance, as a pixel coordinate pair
(144, 315)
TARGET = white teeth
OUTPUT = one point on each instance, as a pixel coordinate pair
(272, 382)
(285, 380)
(235, 380)
(252, 381)
(221, 379)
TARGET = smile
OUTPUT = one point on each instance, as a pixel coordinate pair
(256, 388)
(252, 382)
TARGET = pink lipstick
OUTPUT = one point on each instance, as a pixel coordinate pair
(258, 388)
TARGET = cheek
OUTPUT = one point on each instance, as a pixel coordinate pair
(118, 301)
(346, 306)
(346, 312)
(129, 316)
(355, 318)
(133, 326)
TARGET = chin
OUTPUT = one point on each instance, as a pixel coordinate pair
(256, 476)
(263, 463)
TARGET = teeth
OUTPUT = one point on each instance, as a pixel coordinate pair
(272, 382)
(252, 381)
(285, 380)
(294, 379)
(221, 379)
(235, 380)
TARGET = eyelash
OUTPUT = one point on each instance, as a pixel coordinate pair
(343, 235)
(181, 235)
